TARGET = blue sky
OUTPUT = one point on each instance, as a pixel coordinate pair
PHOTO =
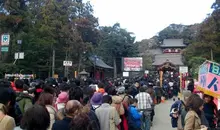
(147, 17)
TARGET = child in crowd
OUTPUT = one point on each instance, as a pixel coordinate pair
(134, 117)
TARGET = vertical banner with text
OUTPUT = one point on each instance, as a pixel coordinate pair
(209, 78)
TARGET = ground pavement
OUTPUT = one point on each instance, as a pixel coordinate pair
(162, 119)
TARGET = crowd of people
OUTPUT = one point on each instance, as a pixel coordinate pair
(77, 105)
(195, 112)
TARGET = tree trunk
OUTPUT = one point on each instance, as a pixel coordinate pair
(80, 60)
(115, 67)
(53, 63)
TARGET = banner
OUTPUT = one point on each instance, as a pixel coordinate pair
(20, 76)
(133, 64)
(209, 78)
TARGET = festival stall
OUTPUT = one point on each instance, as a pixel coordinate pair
(209, 80)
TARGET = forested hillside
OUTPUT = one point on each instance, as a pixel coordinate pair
(67, 27)
(203, 40)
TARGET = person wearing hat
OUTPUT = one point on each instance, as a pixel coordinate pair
(121, 90)
(124, 96)
(62, 100)
(101, 88)
(125, 102)
(72, 108)
(96, 101)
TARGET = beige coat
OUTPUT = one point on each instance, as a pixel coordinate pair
(192, 121)
(117, 103)
(125, 100)
(52, 112)
(7, 122)
(108, 117)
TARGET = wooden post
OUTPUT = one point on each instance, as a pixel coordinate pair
(161, 78)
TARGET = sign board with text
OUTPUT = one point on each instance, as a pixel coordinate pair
(5, 39)
(19, 55)
(209, 78)
(4, 49)
(132, 64)
(183, 69)
(67, 63)
(125, 74)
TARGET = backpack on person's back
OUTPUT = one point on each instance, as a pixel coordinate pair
(175, 113)
(94, 121)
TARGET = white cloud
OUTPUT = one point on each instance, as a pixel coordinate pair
(147, 17)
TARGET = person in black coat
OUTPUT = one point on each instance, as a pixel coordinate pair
(210, 109)
(190, 86)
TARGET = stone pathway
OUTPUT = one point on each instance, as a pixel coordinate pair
(162, 120)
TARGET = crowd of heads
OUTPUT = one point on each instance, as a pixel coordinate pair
(75, 94)
(194, 102)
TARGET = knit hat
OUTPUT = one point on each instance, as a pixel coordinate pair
(101, 90)
(186, 94)
(121, 90)
(62, 97)
(96, 99)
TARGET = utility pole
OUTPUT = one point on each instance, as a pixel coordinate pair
(65, 69)
(53, 63)
(115, 67)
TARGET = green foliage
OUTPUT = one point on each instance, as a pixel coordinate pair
(147, 62)
(145, 48)
(5, 68)
(116, 43)
(171, 32)
(208, 37)
(194, 64)
(198, 49)
(207, 41)
(179, 31)
(67, 26)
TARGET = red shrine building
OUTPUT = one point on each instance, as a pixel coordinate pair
(169, 56)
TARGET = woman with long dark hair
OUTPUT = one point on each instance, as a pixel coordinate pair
(47, 100)
(194, 106)
(210, 110)
(36, 118)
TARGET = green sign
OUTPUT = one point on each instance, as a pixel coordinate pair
(4, 49)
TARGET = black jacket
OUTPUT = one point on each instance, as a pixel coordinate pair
(62, 124)
(94, 121)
